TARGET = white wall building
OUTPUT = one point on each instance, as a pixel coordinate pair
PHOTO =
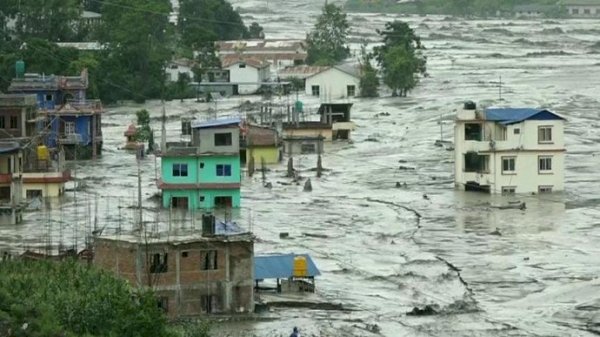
(280, 53)
(341, 81)
(506, 150)
(180, 66)
(246, 74)
(583, 8)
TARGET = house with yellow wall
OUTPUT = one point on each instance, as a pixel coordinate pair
(262, 143)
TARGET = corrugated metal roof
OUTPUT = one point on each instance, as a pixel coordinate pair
(516, 115)
(280, 266)
(215, 122)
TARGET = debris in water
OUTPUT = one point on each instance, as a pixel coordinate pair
(427, 310)
(308, 186)
(496, 232)
(284, 235)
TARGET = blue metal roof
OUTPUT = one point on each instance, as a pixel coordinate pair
(9, 147)
(280, 266)
(215, 122)
(516, 115)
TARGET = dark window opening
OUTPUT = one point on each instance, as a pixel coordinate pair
(315, 90)
(508, 164)
(351, 90)
(544, 189)
(517, 131)
(210, 260)
(223, 170)
(5, 193)
(473, 132)
(242, 65)
(179, 202)
(475, 162)
(223, 139)
(223, 202)
(14, 122)
(201, 165)
(32, 194)
(159, 263)
(163, 304)
(508, 190)
(180, 170)
(209, 303)
(2, 125)
(49, 98)
(184, 254)
(201, 198)
(545, 164)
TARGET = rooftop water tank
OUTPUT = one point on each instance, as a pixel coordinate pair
(20, 69)
(470, 105)
(300, 266)
(42, 153)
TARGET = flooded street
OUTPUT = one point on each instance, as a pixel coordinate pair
(383, 250)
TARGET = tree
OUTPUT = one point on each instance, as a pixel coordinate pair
(400, 57)
(51, 20)
(143, 121)
(41, 298)
(369, 83)
(255, 31)
(326, 43)
(137, 35)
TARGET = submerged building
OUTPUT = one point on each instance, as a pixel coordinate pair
(11, 170)
(204, 173)
(64, 113)
(509, 150)
(190, 274)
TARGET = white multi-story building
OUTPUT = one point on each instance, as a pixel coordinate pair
(246, 74)
(507, 150)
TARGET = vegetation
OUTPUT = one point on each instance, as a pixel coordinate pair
(452, 7)
(369, 83)
(69, 299)
(326, 43)
(400, 58)
(137, 37)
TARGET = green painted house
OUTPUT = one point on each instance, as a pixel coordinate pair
(206, 173)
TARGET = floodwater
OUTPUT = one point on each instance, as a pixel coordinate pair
(384, 250)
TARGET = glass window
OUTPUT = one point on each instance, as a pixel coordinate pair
(545, 164)
(508, 164)
(473, 131)
(223, 139)
(223, 170)
(210, 260)
(544, 134)
(14, 122)
(69, 128)
(315, 90)
(351, 90)
(508, 190)
(180, 170)
(544, 189)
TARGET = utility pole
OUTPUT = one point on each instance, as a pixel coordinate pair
(500, 88)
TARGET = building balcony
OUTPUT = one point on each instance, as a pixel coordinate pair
(70, 139)
(482, 178)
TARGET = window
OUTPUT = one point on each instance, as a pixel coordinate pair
(69, 128)
(159, 263)
(351, 90)
(315, 90)
(476, 163)
(184, 254)
(586, 11)
(242, 65)
(544, 189)
(201, 165)
(223, 202)
(32, 194)
(210, 260)
(544, 134)
(49, 98)
(508, 165)
(517, 131)
(544, 164)
(209, 303)
(574, 10)
(179, 202)
(201, 198)
(308, 148)
(508, 190)
(163, 303)
(14, 122)
(223, 139)
(180, 170)
(223, 170)
(473, 132)
(2, 126)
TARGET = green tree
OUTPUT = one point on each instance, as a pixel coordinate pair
(144, 131)
(137, 35)
(400, 57)
(369, 83)
(326, 43)
(69, 299)
(255, 31)
(51, 20)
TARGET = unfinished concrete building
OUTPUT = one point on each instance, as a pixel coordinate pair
(190, 274)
